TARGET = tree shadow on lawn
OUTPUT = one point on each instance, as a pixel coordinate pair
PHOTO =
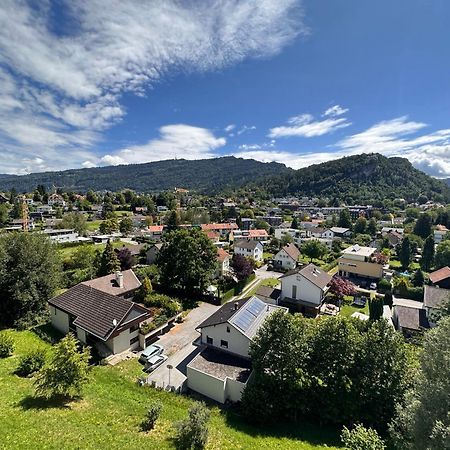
(302, 431)
(47, 333)
(40, 403)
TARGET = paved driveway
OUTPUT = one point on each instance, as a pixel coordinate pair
(263, 273)
(178, 346)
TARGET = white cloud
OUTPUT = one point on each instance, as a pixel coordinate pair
(245, 129)
(335, 110)
(230, 128)
(66, 89)
(304, 125)
(176, 141)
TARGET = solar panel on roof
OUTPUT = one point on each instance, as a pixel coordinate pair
(248, 314)
(255, 306)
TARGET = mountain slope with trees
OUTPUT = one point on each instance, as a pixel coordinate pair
(360, 178)
(206, 175)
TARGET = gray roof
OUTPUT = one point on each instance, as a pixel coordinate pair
(247, 243)
(95, 311)
(222, 365)
(223, 313)
(109, 284)
(411, 318)
(434, 297)
(339, 230)
(267, 292)
(311, 272)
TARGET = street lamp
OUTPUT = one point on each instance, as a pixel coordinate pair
(170, 367)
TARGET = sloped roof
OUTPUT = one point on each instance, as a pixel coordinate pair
(219, 226)
(109, 284)
(440, 274)
(434, 297)
(267, 292)
(95, 311)
(311, 272)
(292, 251)
(223, 313)
(411, 318)
(222, 255)
(246, 243)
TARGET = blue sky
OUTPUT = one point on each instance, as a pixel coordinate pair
(293, 81)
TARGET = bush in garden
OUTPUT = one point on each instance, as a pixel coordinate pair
(361, 438)
(6, 345)
(151, 416)
(31, 362)
(192, 433)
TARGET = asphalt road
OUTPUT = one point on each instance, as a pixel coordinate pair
(178, 346)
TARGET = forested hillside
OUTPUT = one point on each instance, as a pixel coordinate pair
(206, 175)
(361, 178)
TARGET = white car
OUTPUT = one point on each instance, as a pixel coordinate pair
(149, 352)
(373, 286)
(154, 362)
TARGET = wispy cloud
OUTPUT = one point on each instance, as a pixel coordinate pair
(305, 125)
(175, 141)
(67, 88)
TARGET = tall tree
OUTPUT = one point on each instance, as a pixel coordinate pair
(30, 273)
(125, 258)
(173, 220)
(313, 249)
(187, 261)
(404, 252)
(376, 308)
(294, 223)
(66, 373)
(109, 261)
(427, 259)
(372, 227)
(345, 219)
(442, 257)
(360, 225)
(424, 421)
(75, 221)
(242, 266)
(423, 225)
(126, 225)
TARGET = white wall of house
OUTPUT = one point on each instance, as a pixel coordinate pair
(237, 342)
(305, 290)
(81, 335)
(206, 384)
(256, 253)
(60, 319)
(282, 259)
(120, 343)
(233, 390)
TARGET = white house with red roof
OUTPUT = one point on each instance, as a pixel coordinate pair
(287, 257)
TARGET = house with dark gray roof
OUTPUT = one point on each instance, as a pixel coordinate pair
(249, 249)
(99, 315)
(433, 299)
(304, 288)
(221, 370)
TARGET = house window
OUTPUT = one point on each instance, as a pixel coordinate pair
(134, 340)
(223, 343)
(209, 340)
(294, 291)
(134, 328)
(228, 329)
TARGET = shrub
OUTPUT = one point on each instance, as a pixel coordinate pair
(192, 433)
(31, 362)
(170, 306)
(361, 438)
(151, 416)
(6, 345)
(384, 286)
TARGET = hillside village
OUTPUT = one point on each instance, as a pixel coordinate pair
(182, 285)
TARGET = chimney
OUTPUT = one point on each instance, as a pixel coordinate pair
(236, 306)
(119, 279)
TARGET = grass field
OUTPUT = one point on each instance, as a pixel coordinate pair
(272, 282)
(67, 252)
(109, 414)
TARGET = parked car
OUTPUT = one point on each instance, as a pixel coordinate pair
(154, 362)
(360, 301)
(150, 351)
(373, 286)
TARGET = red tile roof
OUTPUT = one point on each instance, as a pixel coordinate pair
(219, 226)
(156, 228)
(222, 255)
(440, 274)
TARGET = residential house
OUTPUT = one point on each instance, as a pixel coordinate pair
(99, 313)
(268, 294)
(152, 253)
(62, 235)
(20, 224)
(287, 257)
(46, 210)
(297, 235)
(222, 228)
(357, 261)
(439, 233)
(154, 232)
(249, 249)
(441, 277)
(409, 316)
(135, 251)
(395, 238)
(319, 232)
(304, 288)
(56, 200)
(223, 263)
(433, 300)
(340, 233)
(253, 235)
(222, 369)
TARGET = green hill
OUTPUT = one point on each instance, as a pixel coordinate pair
(361, 178)
(206, 175)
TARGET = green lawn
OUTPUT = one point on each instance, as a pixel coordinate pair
(272, 282)
(109, 414)
(67, 252)
(93, 225)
